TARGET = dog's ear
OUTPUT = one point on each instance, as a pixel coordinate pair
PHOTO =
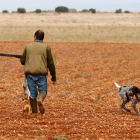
(135, 89)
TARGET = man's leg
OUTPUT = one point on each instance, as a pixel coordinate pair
(33, 92)
(33, 103)
(41, 98)
(42, 87)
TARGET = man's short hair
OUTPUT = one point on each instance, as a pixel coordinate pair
(39, 35)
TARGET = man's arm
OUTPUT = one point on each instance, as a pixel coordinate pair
(50, 64)
(23, 58)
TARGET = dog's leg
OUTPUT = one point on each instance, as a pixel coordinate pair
(122, 106)
(128, 110)
(134, 107)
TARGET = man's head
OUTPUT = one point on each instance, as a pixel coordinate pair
(39, 35)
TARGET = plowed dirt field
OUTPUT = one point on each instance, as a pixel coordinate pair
(84, 104)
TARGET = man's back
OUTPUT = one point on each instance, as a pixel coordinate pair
(36, 59)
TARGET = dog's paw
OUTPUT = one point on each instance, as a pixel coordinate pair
(128, 110)
(138, 114)
(123, 112)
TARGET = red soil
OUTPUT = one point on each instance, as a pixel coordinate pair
(84, 104)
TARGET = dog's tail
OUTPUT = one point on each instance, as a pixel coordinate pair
(117, 85)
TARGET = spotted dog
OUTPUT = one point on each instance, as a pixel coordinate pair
(127, 94)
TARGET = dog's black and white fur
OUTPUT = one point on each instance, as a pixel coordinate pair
(129, 94)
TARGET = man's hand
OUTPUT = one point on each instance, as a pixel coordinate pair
(54, 82)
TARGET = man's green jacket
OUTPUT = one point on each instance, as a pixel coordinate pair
(37, 58)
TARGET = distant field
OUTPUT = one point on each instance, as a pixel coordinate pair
(72, 27)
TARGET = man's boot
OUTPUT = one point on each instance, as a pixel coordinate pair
(41, 98)
(33, 103)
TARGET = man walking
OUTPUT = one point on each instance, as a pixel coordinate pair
(37, 59)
